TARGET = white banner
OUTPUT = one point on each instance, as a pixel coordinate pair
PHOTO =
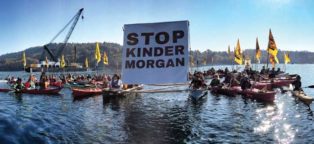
(155, 53)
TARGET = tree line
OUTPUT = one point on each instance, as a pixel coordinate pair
(13, 61)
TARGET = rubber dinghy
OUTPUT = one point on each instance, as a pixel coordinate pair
(196, 94)
(303, 97)
(47, 91)
(84, 92)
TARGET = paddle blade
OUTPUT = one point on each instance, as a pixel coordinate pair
(311, 86)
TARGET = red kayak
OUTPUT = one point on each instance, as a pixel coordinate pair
(261, 85)
(56, 84)
(48, 91)
(76, 92)
(5, 90)
(228, 91)
(282, 82)
(278, 82)
(267, 96)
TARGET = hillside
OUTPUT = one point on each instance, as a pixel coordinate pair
(13, 61)
(211, 57)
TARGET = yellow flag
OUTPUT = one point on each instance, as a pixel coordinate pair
(287, 58)
(62, 62)
(24, 59)
(237, 54)
(106, 62)
(273, 60)
(86, 62)
(258, 53)
(97, 53)
(276, 59)
(272, 48)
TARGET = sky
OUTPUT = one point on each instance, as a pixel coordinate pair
(214, 24)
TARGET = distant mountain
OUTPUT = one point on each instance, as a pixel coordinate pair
(13, 61)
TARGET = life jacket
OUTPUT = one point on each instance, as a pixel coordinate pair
(27, 85)
(115, 84)
(19, 86)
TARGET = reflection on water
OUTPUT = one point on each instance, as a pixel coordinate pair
(153, 118)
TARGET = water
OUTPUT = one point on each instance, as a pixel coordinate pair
(156, 118)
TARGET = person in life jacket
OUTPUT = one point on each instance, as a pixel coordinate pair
(245, 82)
(30, 84)
(215, 81)
(198, 81)
(297, 84)
(18, 85)
(272, 73)
(44, 81)
(105, 82)
(116, 82)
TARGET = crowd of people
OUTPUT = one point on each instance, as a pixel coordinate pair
(234, 78)
(231, 78)
(47, 80)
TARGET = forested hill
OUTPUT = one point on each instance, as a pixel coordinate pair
(212, 57)
(13, 61)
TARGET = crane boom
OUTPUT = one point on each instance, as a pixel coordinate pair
(74, 21)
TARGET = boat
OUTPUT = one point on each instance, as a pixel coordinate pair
(266, 96)
(78, 85)
(54, 68)
(47, 91)
(56, 84)
(276, 83)
(303, 97)
(261, 85)
(84, 92)
(228, 91)
(112, 92)
(56, 65)
(196, 94)
(282, 82)
(5, 90)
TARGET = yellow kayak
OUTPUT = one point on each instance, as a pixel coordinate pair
(303, 97)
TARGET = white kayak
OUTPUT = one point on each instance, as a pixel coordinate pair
(196, 94)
